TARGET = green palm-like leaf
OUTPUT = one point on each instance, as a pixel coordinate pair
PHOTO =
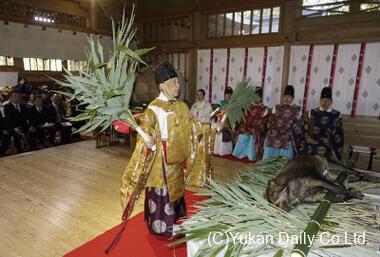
(105, 86)
(240, 101)
(241, 208)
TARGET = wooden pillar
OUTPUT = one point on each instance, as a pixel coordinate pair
(94, 14)
(355, 6)
(192, 75)
(291, 9)
(285, 69)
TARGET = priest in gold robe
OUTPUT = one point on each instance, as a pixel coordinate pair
(158, 163)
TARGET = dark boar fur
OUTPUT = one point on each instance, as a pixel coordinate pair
(306, 179)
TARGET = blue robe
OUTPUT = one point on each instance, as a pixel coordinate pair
(325, 126)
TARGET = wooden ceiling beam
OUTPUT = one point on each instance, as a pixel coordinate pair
(57, 5)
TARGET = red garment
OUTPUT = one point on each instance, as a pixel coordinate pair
(284, 126)
(255, 123)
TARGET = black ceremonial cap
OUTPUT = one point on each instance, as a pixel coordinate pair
(259, 91)
(164, 72)
(326, 93)
(289, 90)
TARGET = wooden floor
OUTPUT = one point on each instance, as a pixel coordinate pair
(54, 200)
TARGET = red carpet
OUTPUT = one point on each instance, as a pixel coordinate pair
(233, 158)
(135, 241)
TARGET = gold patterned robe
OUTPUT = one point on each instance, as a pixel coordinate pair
(201, 162)
(182, 132)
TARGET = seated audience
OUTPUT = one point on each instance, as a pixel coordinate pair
(75, 109)
(38, 123)
(17, 116)
(24, 89)
(5, 93)
(324, 129)
(44, 91)
(252, 130)
(223, 139)
(201, 110)
(5, 136)
(56, 114)
(284, 128)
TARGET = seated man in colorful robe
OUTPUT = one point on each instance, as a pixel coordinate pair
(324, 129)
(171, 130)
(284, 128)
(252, 130)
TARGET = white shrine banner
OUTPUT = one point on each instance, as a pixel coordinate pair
(255, 65)
(319, 74)
(236, 66)
(203, 71)
(369, 90)
(299, 56)
(273, 76)
(219, 75)
(8, 79)
(343, 85)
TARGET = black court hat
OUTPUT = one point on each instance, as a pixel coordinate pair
(164, 72)
(326, 93)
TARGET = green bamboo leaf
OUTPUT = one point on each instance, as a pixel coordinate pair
(130, 52)
(110, 110)
(230, 250)
(105, 86)
(143, 51)
(279, 253)
(240, 101)
(81, 117)
(217, 251)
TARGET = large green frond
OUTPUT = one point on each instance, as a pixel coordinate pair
(241, 208)
(240, 101)
(105, 86)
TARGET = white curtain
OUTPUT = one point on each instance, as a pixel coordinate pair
(8, 79)
(236, 66)
(299, 56)
(346, 68)
(255, 65)
(347, 62)
(320, 73)
(203, 71)
(219, 75)
(16, 40)
(273, 76)
(369, 93)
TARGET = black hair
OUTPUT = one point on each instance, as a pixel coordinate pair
(289, 90)
(36, 97)
(202, 91)
(228, 90)
(14, 92)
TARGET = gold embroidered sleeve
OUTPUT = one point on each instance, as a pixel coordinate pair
(135, 167)
(199, 165)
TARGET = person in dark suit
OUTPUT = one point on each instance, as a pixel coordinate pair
(37, 118)
(56, 114)
(44, 92)
(5, 137)
(17, 116)
(24, 89)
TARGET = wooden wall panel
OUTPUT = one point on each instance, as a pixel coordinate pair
(363, 131)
